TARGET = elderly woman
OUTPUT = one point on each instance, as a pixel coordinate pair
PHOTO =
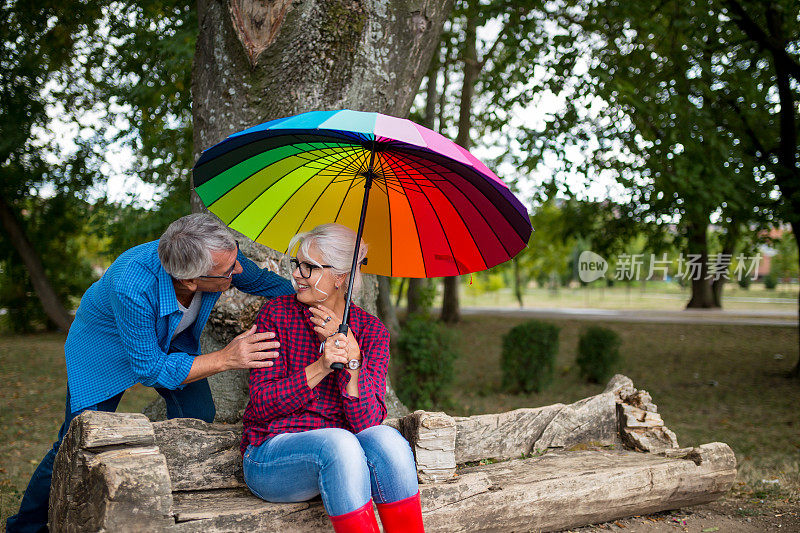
(311, 430)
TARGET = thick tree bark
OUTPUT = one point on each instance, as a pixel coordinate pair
(41, 284)
(259, 61)
(702, 296)
(450, 306)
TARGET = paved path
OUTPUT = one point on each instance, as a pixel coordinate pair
(693, 316)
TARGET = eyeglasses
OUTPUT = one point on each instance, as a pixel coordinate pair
(306, 269)
(229, 273)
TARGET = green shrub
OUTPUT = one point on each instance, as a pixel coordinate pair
(529, 356)
(598, 353)
(770, 281)
(425, 354)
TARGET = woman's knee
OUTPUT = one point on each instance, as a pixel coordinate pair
(340, 445)
(385, 440)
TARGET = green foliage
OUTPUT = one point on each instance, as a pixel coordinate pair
(770, 281)
(529, 356)
(58, 229)
(128, 66)
(485, 282)
(598, 353)
(785, 263)
(425, 353)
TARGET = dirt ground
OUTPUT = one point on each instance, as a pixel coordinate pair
(729, 515)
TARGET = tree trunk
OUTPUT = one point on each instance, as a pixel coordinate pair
(450, 307)
(259, 61)
(386, 311)
(796, 370)
(416, 301)
(517, 282)
(702, 296)
(400, 290)
(723, 262)
(451, 313)
(19, 240)
(787, 175)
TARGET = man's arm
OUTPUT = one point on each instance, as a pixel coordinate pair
(260, 281)
(136, 324)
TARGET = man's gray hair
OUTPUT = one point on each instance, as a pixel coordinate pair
(336, 244)
(185, 247)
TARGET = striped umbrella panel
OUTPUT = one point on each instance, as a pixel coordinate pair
(429, 214)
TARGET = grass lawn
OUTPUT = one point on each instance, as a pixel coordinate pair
(654, 295)
(710, 382)
(32, 397)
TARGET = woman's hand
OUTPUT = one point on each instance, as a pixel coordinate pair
(334, 351)
(326, 324)
(324, 321)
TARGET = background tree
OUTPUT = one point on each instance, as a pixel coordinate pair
(37, 46)
(118, 74)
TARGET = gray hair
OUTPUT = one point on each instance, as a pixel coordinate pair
(336, 244)
(185, 247)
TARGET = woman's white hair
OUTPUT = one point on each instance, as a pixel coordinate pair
(335, 244)
(185, 247)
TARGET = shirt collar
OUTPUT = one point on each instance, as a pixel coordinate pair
(167, 301)
(306, 312)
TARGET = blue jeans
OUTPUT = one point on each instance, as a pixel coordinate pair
(346, 469)
(193, 401)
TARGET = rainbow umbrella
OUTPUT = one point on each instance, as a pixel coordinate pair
(426, 206)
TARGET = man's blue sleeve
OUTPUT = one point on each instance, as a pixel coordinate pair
(260, 281)
(136, 324)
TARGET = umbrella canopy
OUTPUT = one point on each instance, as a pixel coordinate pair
(433, 210)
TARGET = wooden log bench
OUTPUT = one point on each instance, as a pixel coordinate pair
(555, 467)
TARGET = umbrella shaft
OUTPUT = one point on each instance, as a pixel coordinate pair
(359, 233)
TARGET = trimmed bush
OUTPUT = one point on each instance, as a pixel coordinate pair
(425, 353)
(529, 356)
(598, 353)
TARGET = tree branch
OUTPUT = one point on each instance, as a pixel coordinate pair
(764, 40)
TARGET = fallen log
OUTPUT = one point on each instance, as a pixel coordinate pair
(543, 469)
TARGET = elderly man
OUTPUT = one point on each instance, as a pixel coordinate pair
(141, 323)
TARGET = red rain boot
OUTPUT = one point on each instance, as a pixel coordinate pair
(362, 520)
(403, 516)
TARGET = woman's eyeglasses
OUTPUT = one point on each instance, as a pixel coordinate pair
(305, 268)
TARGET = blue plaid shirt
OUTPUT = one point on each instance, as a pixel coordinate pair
(122, 333)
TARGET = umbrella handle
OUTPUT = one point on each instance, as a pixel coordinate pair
(342, 329)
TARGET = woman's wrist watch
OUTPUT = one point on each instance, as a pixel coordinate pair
(354, 364)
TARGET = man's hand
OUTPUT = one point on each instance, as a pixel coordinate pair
(250, 350)
(247, 350)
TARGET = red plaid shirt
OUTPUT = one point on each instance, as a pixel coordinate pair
(280, 399)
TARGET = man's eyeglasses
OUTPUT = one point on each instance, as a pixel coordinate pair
(229, 273)
(306, 269)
